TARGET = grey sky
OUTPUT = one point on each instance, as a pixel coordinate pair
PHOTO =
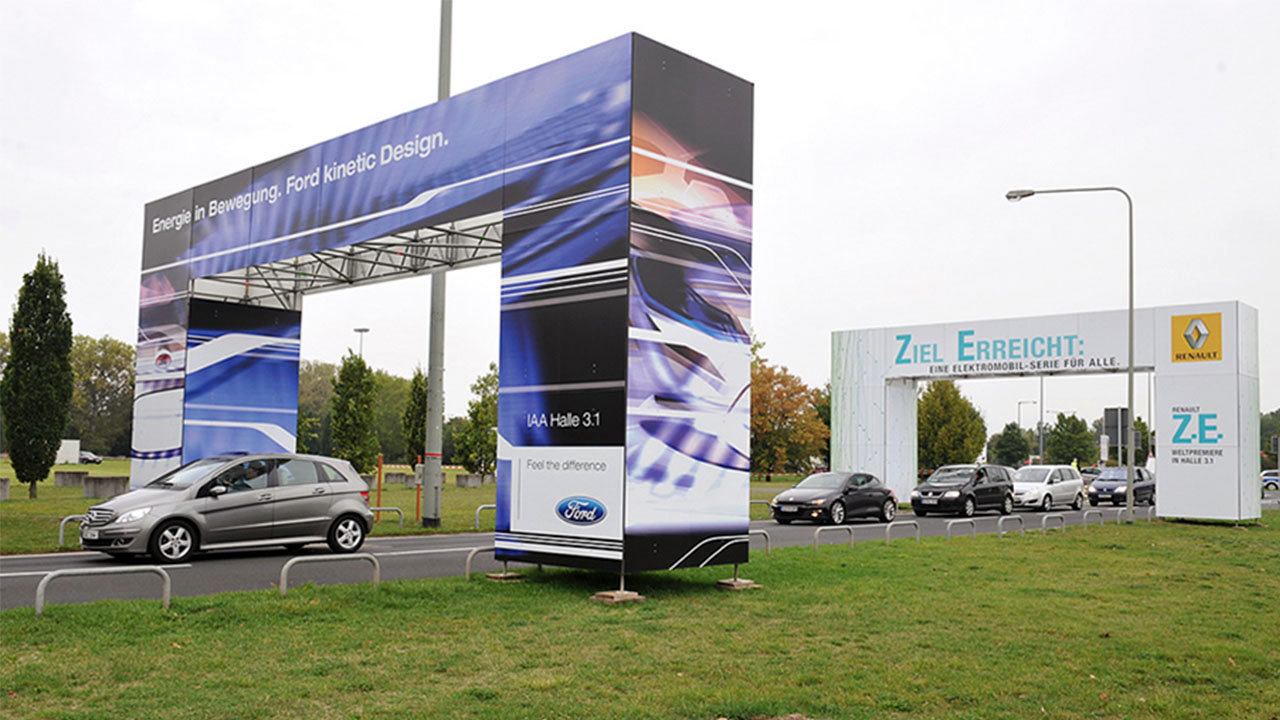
(886, 136)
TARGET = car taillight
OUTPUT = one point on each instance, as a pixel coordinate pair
(365, 495)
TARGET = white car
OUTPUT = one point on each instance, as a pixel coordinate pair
(1044, 486)
(1271, 479)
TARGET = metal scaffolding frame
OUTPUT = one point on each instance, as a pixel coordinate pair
(418, 251)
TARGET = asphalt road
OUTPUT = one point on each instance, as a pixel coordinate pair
(401, 557)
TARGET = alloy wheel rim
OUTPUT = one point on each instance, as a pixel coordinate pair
(890, 510)
(174, 542)
(348, 533)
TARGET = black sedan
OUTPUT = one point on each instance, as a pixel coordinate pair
(832, 497)
(1113, 484)
(965, 489)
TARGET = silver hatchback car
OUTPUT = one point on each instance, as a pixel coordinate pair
(235, 501)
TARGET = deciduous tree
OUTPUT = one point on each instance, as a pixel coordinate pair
(102, 397)
(414, 421)
(477, 445)
(786, 431)
(1070, 439)
(35, 392)
(1011, 446)
(950, 429)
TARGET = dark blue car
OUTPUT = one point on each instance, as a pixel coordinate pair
(1113, 485)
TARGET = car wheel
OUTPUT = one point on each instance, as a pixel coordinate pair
(1046, 504)
(1078, 502)
(346, 535)
(172, 542)
(888, 511)
(970, 507)
(1272, 486)
(837, 513)
(1007, 507)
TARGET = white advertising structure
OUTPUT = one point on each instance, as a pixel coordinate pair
(1204, 356)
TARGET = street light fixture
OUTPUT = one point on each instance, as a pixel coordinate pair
(1015, 196)
(361, 332)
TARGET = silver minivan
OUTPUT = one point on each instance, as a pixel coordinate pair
(1044, 486)
(235, 501)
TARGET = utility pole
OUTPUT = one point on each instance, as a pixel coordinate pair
(432, 471)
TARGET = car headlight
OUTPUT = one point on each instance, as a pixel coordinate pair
(1122, 488)
(132, 515)
(915, 493)
(1093, 491)
(819, 501)
(952, 494)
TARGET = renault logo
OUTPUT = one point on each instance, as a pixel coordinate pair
(1196, 333)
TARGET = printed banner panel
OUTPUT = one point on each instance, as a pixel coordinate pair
(689, 314)
(446, 161)
(242, 380)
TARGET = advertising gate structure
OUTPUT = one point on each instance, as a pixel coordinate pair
(614, 185)
(1204, 357)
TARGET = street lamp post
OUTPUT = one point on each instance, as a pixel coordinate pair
(361, 332)
(1015, 196)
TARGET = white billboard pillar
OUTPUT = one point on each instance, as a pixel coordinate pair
(1207, 461)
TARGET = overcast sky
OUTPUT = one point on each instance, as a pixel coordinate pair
(886, 136)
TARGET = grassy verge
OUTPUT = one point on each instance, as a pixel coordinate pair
(28, 526)
(1150, 621)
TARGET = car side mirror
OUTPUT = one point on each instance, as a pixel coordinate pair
(217, 490)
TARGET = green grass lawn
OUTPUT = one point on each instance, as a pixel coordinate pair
(1153, 621)
(28, 526)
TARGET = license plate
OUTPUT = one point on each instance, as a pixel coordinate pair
(928, 501)
(90, 534)
(1104, 496)
(788, 508)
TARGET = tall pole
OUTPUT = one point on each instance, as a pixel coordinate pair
(361, 332)
(1015, 196)
(1040, 427)
(432, 465)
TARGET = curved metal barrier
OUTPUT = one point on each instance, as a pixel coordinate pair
(900, 523)
(972, 524)
(284, 571)
(483, 507)
(1085, 517)
(1022, 526)
(768, 544)
(396, 510)
(1151, 513)
(62, 525)
(471, 556)
(821, 529)
(44, 582)
(1044, 522)
(765, 503)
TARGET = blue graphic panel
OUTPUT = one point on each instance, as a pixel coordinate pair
(242, 380)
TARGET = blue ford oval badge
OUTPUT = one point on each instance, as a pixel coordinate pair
(581, 510)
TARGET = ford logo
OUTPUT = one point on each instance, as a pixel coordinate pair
(581, 510)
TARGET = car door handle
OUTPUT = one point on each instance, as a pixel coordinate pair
(318, 491)
(264, 497)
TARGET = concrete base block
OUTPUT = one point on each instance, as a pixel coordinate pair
(4, 488)
(105, 486)
(737, 584)
(618, 597)
(507, 577)
(69, 478)
(464, 480)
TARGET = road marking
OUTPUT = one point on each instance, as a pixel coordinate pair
(46, 572)
(21, 556)
(425, 552)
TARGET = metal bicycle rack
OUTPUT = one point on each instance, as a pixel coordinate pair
(890, 526)
(768, 543)
(483, 507)
(62, 525)
(952, 523)
(1044, 522)
(819, 530)
(1022, 525)
(44, 582)
(396, 510)
(284, 571)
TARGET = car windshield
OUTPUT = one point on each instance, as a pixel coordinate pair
(184, 476)
(1031, 475)
(1114, 474)
(821, 481)
(951, 476)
